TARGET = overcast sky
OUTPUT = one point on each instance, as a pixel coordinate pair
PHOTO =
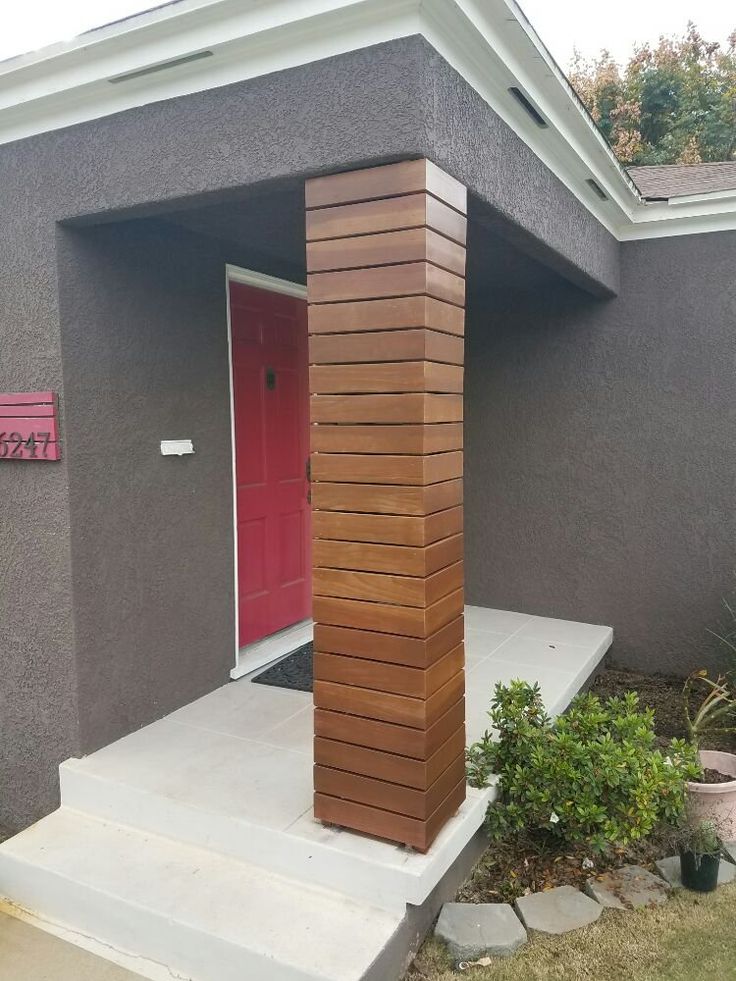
(563, 25)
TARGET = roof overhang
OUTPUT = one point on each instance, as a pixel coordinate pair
(194, 45)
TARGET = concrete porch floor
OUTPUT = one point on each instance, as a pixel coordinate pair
(198, 829)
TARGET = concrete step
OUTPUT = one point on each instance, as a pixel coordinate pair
(123, 785)
(182, 911)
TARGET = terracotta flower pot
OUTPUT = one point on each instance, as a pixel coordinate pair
(715, 802)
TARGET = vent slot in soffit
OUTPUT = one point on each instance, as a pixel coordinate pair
(160, 67)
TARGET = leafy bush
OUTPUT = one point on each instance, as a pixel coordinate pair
(594, 774)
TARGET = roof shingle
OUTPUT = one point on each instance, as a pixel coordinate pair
(676, 180)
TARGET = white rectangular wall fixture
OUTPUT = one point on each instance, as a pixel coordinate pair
(176, 447)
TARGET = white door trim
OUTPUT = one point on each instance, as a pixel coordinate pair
(253, 655)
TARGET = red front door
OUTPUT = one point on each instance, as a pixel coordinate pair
(271, 401)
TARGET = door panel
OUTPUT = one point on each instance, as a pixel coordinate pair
(271, 404)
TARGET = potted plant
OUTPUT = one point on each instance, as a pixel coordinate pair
(700, 855)
(713, 797)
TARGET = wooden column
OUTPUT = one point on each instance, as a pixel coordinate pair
(386, 290)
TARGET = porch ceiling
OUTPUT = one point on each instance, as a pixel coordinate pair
(270, 226)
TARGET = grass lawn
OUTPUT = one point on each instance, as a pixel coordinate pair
(690, 938)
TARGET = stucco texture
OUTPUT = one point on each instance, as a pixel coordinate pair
(600, 463)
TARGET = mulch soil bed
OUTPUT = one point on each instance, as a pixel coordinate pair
(531, 863)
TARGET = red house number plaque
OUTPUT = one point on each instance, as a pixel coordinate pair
(29, 428)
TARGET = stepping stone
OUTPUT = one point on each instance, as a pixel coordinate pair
(630, 887)
(670, 870)
(471, 930)
(557, 910)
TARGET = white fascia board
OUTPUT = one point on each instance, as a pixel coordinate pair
(489, 42)
(69, 84)
(658, 219)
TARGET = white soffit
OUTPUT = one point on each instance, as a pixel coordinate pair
(217, 42)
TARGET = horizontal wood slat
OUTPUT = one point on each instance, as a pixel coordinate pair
(395, 313)
(390, 180)
(385, 378)
(388, 796)
(376, 587)
(386, 248)
(388, 498)
(400, 560)
(386, 440)
(387, 529)
(378, 282)
(409, 408)
(386, 289)
(358, 468)
(390, 767)
(406, 621)
(419, 744)
(411, 651)
(415, 713)
(386, 215)
(382, 676)
(416, 833)
(394, 345)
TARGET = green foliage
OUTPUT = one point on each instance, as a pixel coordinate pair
(716, 713)
(673, 103)
(725, 633)
(594, 774)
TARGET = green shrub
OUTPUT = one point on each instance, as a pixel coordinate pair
(594, 774)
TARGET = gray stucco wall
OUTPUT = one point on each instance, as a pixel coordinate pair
(144, 348)
(131, 524)
(600, 456)
(38, 717)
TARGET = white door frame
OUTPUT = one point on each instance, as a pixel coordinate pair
(268, 649)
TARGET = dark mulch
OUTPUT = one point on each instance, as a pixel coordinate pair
(715, 776)
(295, 671)
(533, 862)
(663, 693)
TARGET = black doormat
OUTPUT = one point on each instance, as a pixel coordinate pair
(294, 671)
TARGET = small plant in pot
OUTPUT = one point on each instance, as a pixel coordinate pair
(700, 855)
(713, 797)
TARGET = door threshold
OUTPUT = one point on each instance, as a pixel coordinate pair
(263, 652)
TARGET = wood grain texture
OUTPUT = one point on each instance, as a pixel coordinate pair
(387, 498)
(394, 468)
(386, 289)
(389, 345)
(385, 378)
(409, 408)
(394, 313)
(402, 439)
(385, 618)
(387, 824)
(389, 180)
(415, 713)
(376, 587)
(419, 744)
(387, 529)
(400, 560)
(390, 767)
(386, 215)
(411, 651)
(383, 676)
(386, 248)
(378, 282)
(388, 796)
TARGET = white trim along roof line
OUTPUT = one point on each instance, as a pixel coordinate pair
(194, 45)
